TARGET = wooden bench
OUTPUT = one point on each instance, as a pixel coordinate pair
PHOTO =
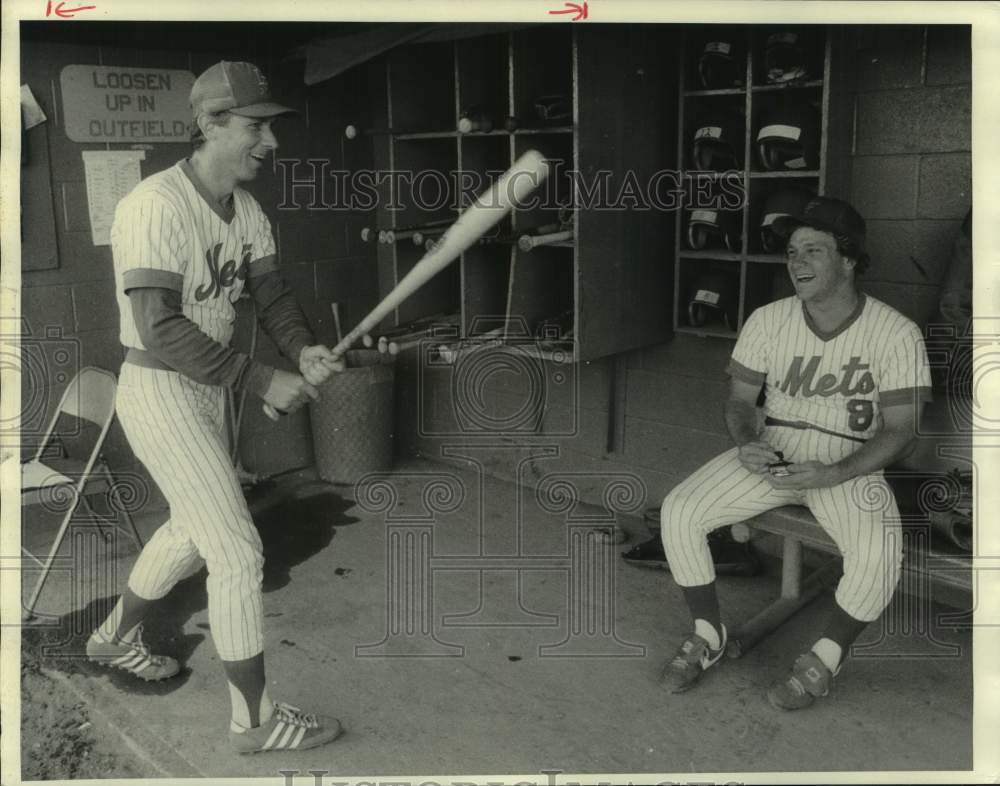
(797, 528)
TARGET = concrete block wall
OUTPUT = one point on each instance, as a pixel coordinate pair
(911, 168)
(318, 249)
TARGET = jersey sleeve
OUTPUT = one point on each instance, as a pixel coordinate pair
(149, 244)
(904, 372)
(751, 357)
(265, 257)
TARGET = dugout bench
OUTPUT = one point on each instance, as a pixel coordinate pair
(795, 525)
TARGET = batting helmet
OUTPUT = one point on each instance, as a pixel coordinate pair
(714, 296)
(709, 226)
(785, 57)
(717, 142)
(788, 201)
(722, 62)
(789, 137)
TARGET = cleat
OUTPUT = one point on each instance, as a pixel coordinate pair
(810, 679)
(693, 658)
(288, 729)
(131, 656)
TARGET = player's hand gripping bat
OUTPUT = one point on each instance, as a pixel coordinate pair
(490, 207)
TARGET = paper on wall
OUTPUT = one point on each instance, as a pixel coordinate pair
(111, 174)
(31, 113)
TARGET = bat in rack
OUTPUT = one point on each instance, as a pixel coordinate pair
(527, 173)
(353, 132)
(475, 119)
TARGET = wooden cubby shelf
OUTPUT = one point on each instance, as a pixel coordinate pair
(568, 88)
(747, 273)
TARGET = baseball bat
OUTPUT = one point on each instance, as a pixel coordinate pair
(489, 208)
(528, 242)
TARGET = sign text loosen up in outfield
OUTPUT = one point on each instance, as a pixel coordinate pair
(121, 104)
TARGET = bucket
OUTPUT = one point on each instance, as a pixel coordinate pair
(353, 422)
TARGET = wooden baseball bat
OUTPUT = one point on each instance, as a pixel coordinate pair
(528, 242)
(490, 207)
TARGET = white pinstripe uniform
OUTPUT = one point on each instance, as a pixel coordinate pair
(828, 389)
(168, 233)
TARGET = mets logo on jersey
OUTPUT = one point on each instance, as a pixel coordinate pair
(855, 380)
(223, 276)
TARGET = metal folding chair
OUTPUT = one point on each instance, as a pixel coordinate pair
(89, 396)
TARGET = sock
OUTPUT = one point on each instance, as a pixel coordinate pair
(841, 631)
(703, 603)
(829, 652)
(248, 691)
(704, 629)
(123, 620)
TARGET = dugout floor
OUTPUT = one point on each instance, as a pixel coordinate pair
(457, 625)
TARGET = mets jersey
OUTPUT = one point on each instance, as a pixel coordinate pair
(170, 232)
(834, 382)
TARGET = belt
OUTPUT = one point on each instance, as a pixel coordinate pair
(146, 359)
(769, 421)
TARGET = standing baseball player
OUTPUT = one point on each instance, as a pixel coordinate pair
(186, 241)
(845, 377)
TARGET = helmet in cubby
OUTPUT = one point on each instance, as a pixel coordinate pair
(715, 228)
(717, 140)
(715, 296)
(786, 56)
(789, 137)
(722, 62)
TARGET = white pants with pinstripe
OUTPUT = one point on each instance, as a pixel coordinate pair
(860, 516)
(176, 428)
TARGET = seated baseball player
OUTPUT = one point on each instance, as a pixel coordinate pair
(844, 378)
(185, 243)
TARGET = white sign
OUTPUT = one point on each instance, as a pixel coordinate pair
(116, 104)
(111, 174)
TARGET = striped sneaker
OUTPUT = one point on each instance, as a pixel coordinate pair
(131, 656)
(288, 729)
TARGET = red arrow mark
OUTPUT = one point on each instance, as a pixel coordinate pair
(66, 13)
(573, 8)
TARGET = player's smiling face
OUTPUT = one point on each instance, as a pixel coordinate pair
(244, 145)
(817, 269)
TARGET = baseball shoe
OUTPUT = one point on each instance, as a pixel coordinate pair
(288, 729)
(693, 658)
(131, 656)
(648, 554)
(810, 679)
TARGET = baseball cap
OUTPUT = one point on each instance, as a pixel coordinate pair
(828, 215)
(239, 88)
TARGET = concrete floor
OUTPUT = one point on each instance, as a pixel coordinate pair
(507, 644)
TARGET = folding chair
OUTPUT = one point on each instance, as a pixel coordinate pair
(89, 396)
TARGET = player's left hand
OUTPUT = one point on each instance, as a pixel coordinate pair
(807, 475)
(317, 363)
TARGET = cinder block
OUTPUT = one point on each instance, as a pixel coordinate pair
(885, 186)
(945, 186)
(890, 245)
(45, 307)
(676, 398)
(96, 306)
(919, 303)
(892, 59)
(935, 242)
(949, 54)
(914, 121)
(910, 252)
